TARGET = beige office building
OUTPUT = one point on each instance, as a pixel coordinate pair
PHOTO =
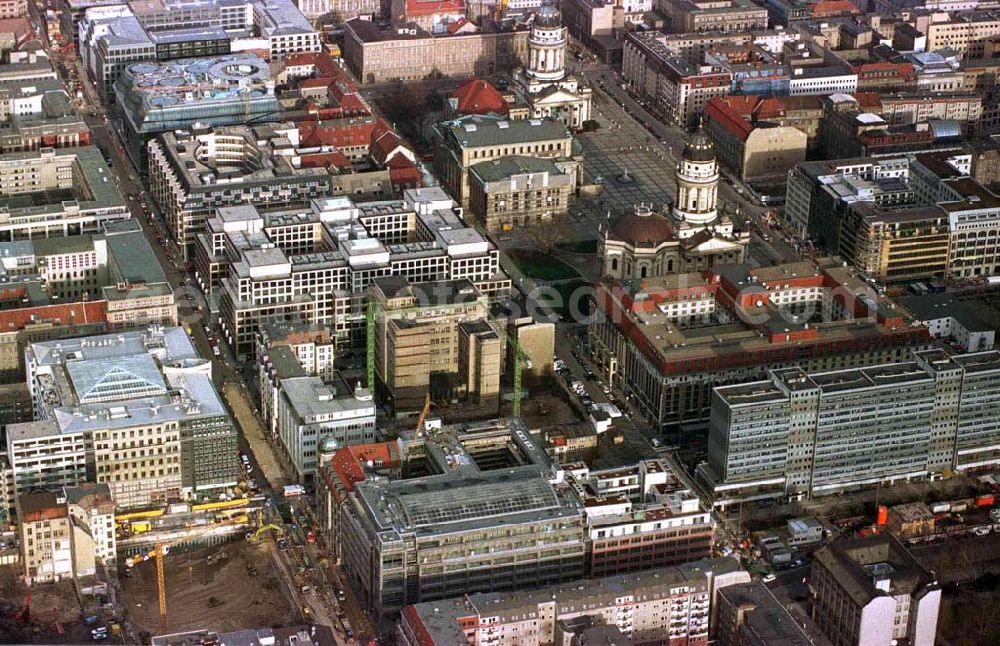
(429, 341)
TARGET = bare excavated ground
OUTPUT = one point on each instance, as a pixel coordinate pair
(222, 596)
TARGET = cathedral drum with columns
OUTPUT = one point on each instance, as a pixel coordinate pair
(544, 86)
(692, 237)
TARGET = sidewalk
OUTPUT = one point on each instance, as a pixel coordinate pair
(254, 433)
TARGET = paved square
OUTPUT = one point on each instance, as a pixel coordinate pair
(623, 146)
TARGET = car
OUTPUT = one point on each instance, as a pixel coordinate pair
(282, 544)
(97, 637)
(341, 596)
(769, 578)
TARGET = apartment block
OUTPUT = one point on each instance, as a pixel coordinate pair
(45, 535)
(965, 32)
(314, 347)
(67, 533)
(92, 507)
(285, 29)
(664, 605)
(811, 434)
(677, 89)
(40, 457)
(639, 517)
(873, 591)
(13, 9)
(655, 341)
(315, 263)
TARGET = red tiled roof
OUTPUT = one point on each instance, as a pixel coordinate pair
(833, 8)
(64, 313)
(733, 116)
(479, 97)
(418, 8)
(20, 27)
(306, 84)
(405, 176)
(778, 106)
(868, 100)
(342, 133)
(385, 146)
(325, 160)
(347, 462)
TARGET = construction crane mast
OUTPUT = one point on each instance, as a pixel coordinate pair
(162, 549)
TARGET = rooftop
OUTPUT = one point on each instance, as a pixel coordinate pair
(506, 167)
(858, 563)
(441, 618)
(475, 131)
(764, 617)
(156, 95)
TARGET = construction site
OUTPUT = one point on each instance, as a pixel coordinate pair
(222, 588)
(54, 615)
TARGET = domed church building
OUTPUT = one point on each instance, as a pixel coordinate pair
(692, 236)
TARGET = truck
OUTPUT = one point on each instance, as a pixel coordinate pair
(293, 490)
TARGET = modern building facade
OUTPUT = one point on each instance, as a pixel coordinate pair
(310, 411)
(154, 97)
(659, 338)
(408, 541)
(314, 264)
(121, 393)
(800, 434)
(194, 171)
(432, 339)
(91, 197)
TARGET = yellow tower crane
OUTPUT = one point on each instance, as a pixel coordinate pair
(161, 550)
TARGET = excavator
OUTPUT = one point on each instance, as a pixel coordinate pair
(262, 528)
(254, 537)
